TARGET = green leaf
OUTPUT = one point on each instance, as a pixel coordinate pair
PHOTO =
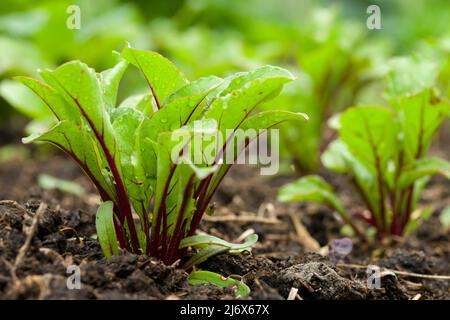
(211, 246)
(23, 100)
(49, 182)
(444, 218)
(85, 94)
(182, 107)
(20, 55)
(338, 158)
(420, 116)
(205, 240)
(204, 254)
(141, 102)
(196, 90)
(161, 75)
(51, 99)
(423, 168)
(414, 223)
(77, 142)
(110, 80)
(243, 94)
(370, 134)
(419, 186)
(105, 229)
(410, 75)
(210, 278)
(200, 172)
(268, 119)
(137, 163)
(164, 197)
(311, 188)
(130, 153)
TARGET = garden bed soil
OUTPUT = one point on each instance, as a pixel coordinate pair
(65, 235)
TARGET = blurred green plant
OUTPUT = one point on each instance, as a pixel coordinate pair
(385, 152)
(34, 34)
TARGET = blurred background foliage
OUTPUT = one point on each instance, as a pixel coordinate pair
(339, 62)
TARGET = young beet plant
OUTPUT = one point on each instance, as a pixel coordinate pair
(384, 151)
(130, 154)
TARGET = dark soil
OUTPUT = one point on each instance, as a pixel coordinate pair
(66, 236)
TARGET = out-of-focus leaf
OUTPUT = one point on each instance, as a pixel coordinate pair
(444, 218)
(105, 229)
(410, 75)
(162, 76)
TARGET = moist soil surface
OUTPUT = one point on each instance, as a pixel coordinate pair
(281, 260)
